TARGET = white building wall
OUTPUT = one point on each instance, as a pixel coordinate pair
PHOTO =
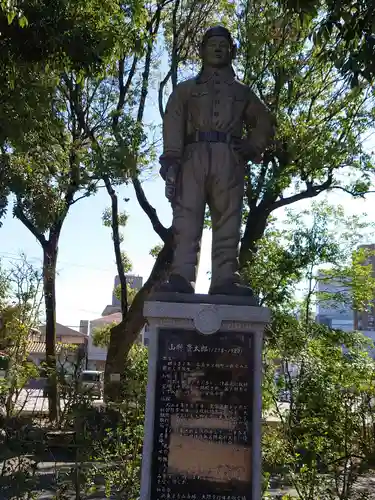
(96, 356)
(331, 312)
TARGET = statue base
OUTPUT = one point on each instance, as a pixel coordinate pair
(203, 408)
(201, 298)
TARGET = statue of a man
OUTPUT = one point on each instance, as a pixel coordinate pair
(203, 162)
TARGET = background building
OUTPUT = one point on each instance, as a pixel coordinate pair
(135, 282)
(364, 320)
(71, 351)
(330, 311)
(96, 356)
(65, 335)
(342, 315)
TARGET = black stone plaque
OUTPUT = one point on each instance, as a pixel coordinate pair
(202, 447)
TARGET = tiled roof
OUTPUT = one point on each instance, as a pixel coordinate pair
(111, 318)
(62, 330)
(34, 347)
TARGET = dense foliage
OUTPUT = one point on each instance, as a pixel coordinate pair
(19, 315)
(345, 33)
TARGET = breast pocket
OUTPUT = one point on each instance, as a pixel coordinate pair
(198, 108)
(238, 105)
(231, 112)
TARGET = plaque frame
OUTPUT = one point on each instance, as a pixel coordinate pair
(249, 320)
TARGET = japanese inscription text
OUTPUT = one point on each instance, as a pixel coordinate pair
(203, 407)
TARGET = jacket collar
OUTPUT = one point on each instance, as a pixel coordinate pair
(224, 75)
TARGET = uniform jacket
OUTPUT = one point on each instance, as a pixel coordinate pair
(214, 101)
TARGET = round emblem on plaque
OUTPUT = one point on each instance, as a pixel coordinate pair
(208, 320)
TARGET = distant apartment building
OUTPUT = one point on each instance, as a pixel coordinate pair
(341, 315)
(334, 307)
(135, 282)
(364, 320)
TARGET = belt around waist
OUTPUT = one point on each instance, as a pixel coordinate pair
(212, 136)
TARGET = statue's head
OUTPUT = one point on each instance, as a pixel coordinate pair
(217, 49)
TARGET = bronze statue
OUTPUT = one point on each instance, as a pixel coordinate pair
(204, 160)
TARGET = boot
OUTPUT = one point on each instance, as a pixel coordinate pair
(176, 284)
(232, 288)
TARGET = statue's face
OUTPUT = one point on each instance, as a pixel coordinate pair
(217, 52)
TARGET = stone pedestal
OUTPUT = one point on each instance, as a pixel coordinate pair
(203, 411)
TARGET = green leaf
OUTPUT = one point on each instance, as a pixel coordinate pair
(23, 22)
(10, 16)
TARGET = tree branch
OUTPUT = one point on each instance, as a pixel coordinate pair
(74, 180)
(20, 214)
(135, 320)
(261, 177)
(150, 211)
(125, 333)
(162, 85)
(114, 210)
(123, 87)
(141, 197)
(87, 194)
(310, 192)
(153, 30)
(352, 193)
(158, 272)
(116, 244)
(74, 175)
(174, 61)
(121, 96)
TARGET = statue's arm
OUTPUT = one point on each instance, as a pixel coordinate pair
(173, 130)
(261, 125)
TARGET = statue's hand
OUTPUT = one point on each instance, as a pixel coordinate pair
(169, 171)
(170, 192)
(163, 171)
(171, 175)
(168, 165)
(248, 150)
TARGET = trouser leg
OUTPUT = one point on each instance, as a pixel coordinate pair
(225, 199)
(188, 218)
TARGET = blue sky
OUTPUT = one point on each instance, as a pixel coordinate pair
(86, 266)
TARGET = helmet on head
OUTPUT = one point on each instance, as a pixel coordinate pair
(219, 31)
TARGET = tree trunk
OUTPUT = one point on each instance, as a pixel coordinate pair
(49, 275)
(255, 226)
(125, 333)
